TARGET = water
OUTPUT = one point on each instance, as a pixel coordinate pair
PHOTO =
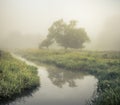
(60, 87)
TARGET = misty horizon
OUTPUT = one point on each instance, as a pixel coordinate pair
(25, 23)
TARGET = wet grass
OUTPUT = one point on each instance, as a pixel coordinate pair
(15, 77)
(105, 65)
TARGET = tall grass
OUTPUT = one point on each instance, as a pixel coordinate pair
(104, 65)
(15, 76)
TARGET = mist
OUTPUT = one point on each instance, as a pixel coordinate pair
(17, 40)
(109, 38)
(25, 23)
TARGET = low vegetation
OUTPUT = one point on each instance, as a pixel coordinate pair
(15, 77)
(104, 65)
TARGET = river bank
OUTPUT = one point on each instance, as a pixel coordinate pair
(59, 86)
(104, 65)
(16, 77)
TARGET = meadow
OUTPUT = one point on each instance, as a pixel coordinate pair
(16, 77)
(104, 65)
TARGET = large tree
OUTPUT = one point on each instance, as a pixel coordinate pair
(46, 43)
(67, 35)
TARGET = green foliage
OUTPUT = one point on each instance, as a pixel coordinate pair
(46, 43)
(66, 35)
(104, 65)
(15, 76)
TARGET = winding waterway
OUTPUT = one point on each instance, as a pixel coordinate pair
(59, 87)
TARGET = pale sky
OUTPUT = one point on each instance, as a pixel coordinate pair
(36, 16)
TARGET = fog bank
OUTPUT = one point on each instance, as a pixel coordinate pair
(24, 23)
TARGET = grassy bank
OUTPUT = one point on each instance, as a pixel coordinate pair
(104, 65)
(15, 77)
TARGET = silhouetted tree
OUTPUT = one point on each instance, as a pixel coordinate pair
(46, 43)
(66, 35)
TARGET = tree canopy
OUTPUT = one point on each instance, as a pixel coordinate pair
(46, 43)
(67, 35)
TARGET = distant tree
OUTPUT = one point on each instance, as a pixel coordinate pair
(67, 35)
(46, 43)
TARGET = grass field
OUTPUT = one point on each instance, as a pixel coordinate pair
(15, 77)
(105, 65)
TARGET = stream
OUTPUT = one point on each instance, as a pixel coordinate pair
(59, 87)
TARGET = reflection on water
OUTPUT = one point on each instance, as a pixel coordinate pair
(60, 87)
(59, 77)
